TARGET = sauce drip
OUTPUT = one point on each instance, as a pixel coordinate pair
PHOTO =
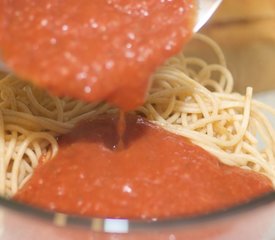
(121, 127)
(156, 175)
(93, 50)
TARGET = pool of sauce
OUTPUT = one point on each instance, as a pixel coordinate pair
(156, 175)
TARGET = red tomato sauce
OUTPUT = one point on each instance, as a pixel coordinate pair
(157, 175)
(93, 50)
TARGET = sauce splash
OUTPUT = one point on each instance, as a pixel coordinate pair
(156, 175)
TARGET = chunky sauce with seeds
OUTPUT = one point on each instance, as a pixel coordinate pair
(93, 50)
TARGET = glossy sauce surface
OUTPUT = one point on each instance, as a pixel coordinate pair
(156, 175)
(93, 50)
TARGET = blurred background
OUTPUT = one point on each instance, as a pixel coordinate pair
(245, 29)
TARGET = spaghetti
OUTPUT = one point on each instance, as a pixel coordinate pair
(188, 97)
(30, 121)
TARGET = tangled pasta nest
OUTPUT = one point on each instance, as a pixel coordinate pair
(194, 99)
(30, 121)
